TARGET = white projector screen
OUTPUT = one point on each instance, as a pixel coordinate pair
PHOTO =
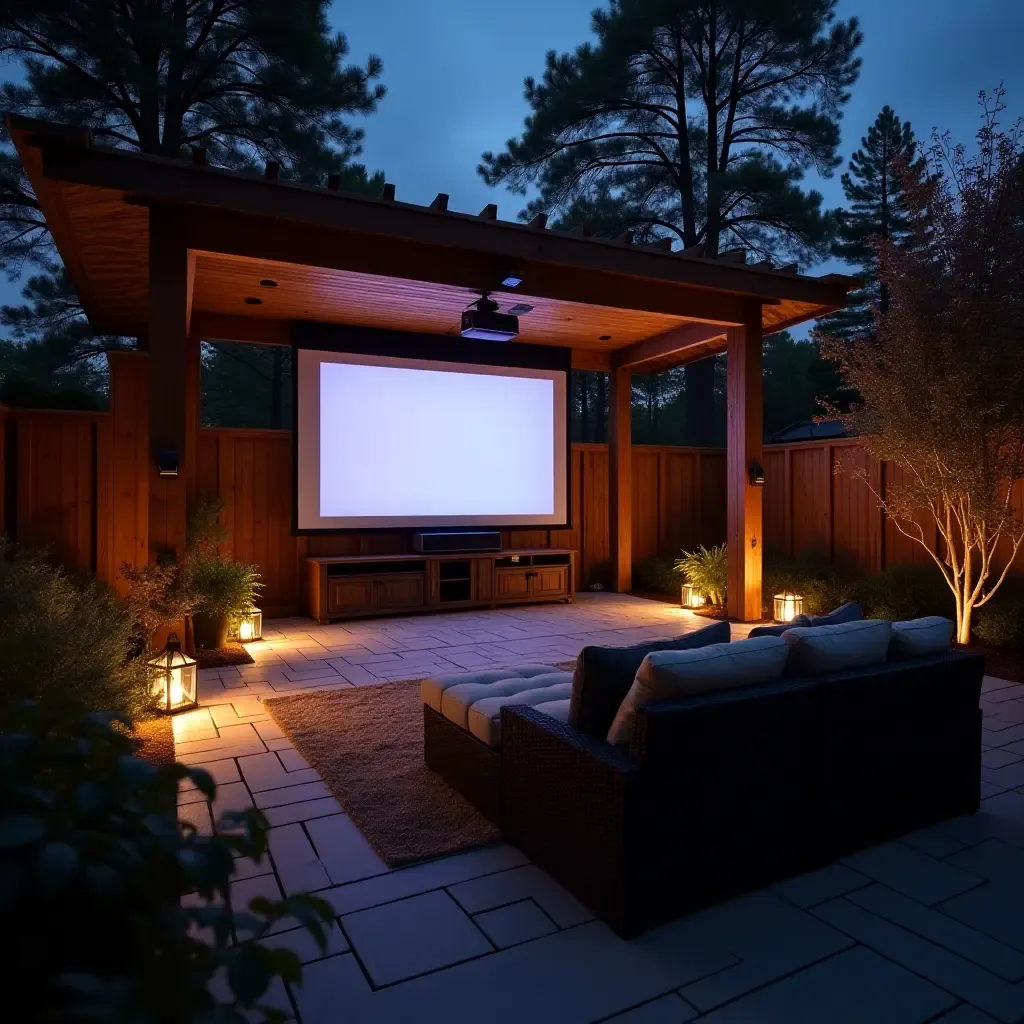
(385, 442)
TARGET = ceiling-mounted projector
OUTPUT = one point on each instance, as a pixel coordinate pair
(483, 321)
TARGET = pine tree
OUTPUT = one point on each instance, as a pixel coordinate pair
(876, 189)
(249, 80)
(695, 120)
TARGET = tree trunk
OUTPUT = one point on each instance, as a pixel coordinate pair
(700, 403)
(963, 626)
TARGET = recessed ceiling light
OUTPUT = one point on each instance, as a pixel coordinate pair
(511, 281)
(605, 337)
(267, 283)
(251, 300)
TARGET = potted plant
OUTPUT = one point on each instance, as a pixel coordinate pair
(223, 588)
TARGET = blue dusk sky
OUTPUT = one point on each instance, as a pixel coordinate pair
(454, 71)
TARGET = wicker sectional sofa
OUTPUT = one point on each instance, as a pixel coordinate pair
(717, 793)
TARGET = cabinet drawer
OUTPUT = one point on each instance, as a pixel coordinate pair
(511, 584)
(550, 581)
(401, 591)
(350, 595)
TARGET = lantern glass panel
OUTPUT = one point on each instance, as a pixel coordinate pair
(692, 597)
(788, 606)
(247, 626)
(174, 678)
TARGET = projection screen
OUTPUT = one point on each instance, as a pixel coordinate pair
(386, 442)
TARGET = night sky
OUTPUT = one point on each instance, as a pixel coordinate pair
(454, 72)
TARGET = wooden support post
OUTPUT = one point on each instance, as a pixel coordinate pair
(172, 419)
(620, 480)
(744, 391)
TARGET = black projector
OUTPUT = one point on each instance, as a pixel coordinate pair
(483, 321)
(456, 541)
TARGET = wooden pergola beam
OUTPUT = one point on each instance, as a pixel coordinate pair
(674, 344)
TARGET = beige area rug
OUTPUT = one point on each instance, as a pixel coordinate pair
(367, 745)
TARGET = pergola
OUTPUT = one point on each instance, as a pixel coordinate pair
(175, 251)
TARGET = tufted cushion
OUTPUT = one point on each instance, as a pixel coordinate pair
(432, 690)
(816, 650)
(484, 717)
(604, 675)
(667, 674)
(915, 638)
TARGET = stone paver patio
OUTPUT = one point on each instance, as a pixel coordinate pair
(929, 928)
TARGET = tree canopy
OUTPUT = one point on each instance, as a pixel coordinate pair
(880, 207)
(941, 379)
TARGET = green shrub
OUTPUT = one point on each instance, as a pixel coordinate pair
(906, 592)
(222, 587)
(61, 640)
(658, 575)
(822, 586)
(707, 571)
(1001, 622)
(95, 865)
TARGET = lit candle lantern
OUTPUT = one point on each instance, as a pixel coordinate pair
(692, 597)
(247, 626)
(788, 606)
(174, 677)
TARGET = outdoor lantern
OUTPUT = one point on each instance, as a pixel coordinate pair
(247, 626)
(174, 677)
(788, 606)
(692, 597)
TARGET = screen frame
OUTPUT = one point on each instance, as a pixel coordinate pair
(368, 341)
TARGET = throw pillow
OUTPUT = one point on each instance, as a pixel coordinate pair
(916, 638)
(817, 650)
(852, 611)
(779, 628)
(604, 675)
(667, 674)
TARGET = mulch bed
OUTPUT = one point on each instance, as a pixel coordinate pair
(1002, 663)
(233, 654)
(156, 741)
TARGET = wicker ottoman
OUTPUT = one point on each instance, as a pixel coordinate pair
(462, 724)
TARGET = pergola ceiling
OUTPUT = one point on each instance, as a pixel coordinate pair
(224, 282)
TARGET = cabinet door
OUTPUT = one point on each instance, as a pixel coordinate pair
(511, 584)
(483, 579)
(403, 590)
(550, 581)
(350, 595)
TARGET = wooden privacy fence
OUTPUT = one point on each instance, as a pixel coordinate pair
(78, 484)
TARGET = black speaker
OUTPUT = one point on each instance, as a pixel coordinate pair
(456, 541)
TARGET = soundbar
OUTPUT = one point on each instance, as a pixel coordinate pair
(456, 541)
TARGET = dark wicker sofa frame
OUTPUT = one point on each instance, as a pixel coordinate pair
(464, 762)
(721, 794)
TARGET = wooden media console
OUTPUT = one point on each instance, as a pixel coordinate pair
(350, 586)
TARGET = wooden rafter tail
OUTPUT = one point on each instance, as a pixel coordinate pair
(539, 223)
(626, 238)
(762, 265)
(664, 243)
(692, 252)
(333, 182)
(440, 202)
(198, 155)
(585, 229)
(789, 270)
(272, 170)
(387, 193)
(489, 212)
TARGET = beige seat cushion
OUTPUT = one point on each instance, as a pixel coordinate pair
(431, 690)
(667, 674)
(915, 638)
(818, 650)
(484, 718)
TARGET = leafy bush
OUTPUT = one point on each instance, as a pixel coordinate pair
(60, 640)
(906, 592)
(658, 575)
(822, 586)
(158, 595)
(95, 866)
(707, 571)
(222, 587)
(1001, 623)
(204, 530)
